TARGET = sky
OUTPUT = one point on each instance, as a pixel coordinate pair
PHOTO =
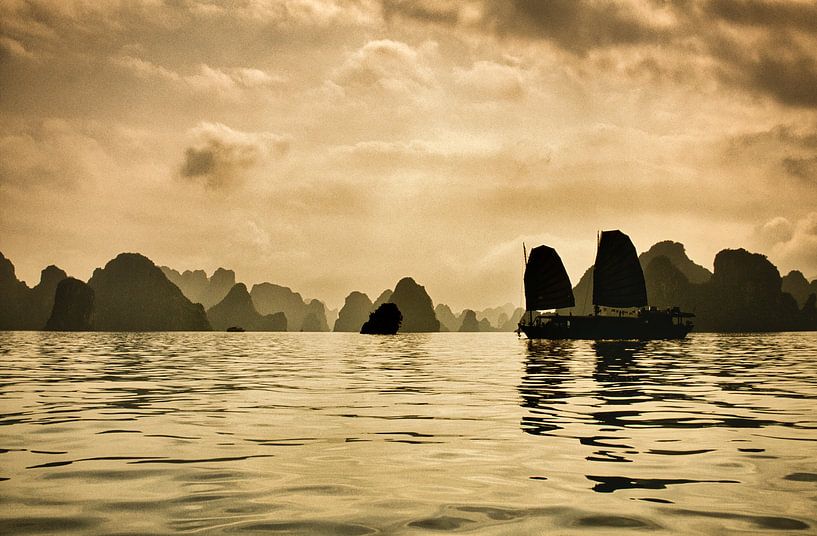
(333, 145)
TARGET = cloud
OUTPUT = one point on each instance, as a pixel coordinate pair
(763, 13)
(205, 79)
(794, 244)
(760, 47)
(388, 65)
(577, 27)
(221, 156)
(490, 81)
(777, 65)
(14, 48)
(783, 151)
(776, 230)
(51, 153)
(803, 168)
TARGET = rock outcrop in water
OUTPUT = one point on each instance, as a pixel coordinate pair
(796, 284)
(301, 316)
(495, 316)
(469, 321)
(221, 282)
(448, 320)
(198, 288)
(385, 320)
(744, 294)
(42, 295)
(194, 284)
(354, 313)
(513, 320)
(676, 253)
(667, 286)
(13, 297)
(73, 307)
(583, 294)
(132, 294)
(315, 318)
(384, 297)
(415, 304)
(26, 308)
(237, 310)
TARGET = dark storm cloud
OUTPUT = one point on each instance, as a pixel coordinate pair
(573, 26)
(803, 168)
(761, 47)
(788, 135)
(777, 13)
(780, 65)
(437, 12)
(222, 156)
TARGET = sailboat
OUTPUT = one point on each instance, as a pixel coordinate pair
(619, 298)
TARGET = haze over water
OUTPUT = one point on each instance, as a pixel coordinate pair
(328, 433)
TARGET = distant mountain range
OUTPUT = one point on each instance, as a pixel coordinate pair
(131, 293)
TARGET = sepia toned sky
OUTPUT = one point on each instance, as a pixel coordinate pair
(334, 145)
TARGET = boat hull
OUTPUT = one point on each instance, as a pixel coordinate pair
(599, 327)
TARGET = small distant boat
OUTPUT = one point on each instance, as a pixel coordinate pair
(235, 329)
(619, 298)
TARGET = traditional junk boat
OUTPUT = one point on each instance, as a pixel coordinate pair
(618, 286)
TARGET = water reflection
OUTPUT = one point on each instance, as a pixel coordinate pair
(627, 402)
(546, 371)
(337, 433)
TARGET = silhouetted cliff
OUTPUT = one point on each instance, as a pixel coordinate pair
(271, 298)
(198, 288)
(583, 294)
(73, 307)
(13, 297)
(496, 316)
(237, 310)
(513, 320)
(385, 320)
(796, 284)
(667, 286)
(469, 321)
(42, 295)
(22, 307)
(448, 320)
(415, 305)
(132, 294)
(384, 297)
(744, 294)
(676, 253)
(194, 284)
(354, 313)
(221, 282)
(315, 318)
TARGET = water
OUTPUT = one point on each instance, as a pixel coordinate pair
(243, 433)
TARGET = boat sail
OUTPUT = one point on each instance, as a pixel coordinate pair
(618, 283)
(618, 280)
(547, 285)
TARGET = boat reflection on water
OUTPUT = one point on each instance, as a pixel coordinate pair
(546, 371)
(626, 402)
(554, 371)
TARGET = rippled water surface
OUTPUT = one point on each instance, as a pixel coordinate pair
(209, 433)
